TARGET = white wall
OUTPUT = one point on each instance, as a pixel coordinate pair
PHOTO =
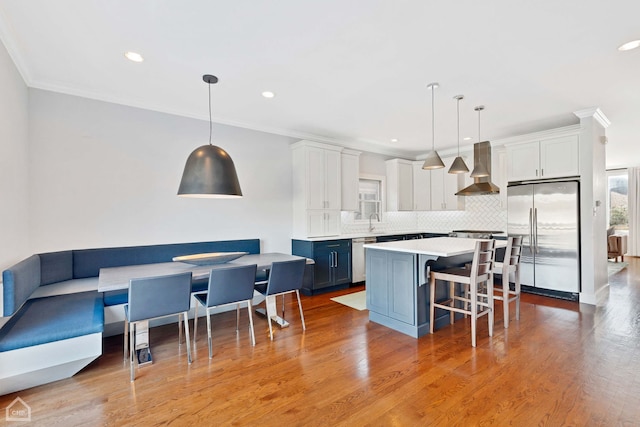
(14, 168)
(107, 175)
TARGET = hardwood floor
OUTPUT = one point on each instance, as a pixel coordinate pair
(561, 364)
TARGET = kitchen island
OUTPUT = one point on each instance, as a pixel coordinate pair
(397, 280)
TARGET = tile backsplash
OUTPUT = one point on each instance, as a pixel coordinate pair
(481, 213)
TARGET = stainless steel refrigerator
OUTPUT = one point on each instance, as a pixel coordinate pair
(547, 216)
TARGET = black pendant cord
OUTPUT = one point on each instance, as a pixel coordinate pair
(458, 111)
(210, 121)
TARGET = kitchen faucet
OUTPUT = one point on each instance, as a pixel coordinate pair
(371, 227)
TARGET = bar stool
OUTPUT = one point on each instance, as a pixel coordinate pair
(477, 297)
(510, 265)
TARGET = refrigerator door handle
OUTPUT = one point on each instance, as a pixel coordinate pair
(531, 230)
(535, 232)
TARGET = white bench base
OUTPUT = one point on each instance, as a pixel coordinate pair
(41, 364)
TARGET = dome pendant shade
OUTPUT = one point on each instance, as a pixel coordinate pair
(433, 161)
(209, 172)
(458, 166)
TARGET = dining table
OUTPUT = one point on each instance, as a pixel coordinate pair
(118, 278)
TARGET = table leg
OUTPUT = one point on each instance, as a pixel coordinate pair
(270, 302)
(143, 351)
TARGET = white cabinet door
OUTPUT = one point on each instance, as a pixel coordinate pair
(399, 185)
(332, 172)
(559, 157)
(317, 189)
(421, 187)
(444, 187)
(523, 161)
(323, 223)
(549, 158)
(350, 180)
(315, 176)
(499, 173)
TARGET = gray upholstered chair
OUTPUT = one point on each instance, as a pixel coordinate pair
(227, 285)
(477, 296)
(510, 266)
(284, 277)
(155, 297)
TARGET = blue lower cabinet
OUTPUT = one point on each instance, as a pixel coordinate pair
(332, 268)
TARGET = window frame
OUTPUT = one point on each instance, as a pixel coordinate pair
(381, 179)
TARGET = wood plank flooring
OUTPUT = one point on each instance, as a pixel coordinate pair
(561, 364)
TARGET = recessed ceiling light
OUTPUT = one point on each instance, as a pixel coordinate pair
(133, 56)
(394, 139)
(629, 45)
(466, 138)
(268, 94)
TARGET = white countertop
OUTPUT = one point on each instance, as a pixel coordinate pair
(436, 246)
(366, 234)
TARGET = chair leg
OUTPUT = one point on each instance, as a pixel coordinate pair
(304, 327)
(452, 303)
(517, 289)
(474, 311)
(432, 299)
(132, 350)
(250, 309)
(490, 303)
(269, 308)
(209, 338)
(237, 318)
(195, 321)
(505, 298)
(126, 339)
(187, 338)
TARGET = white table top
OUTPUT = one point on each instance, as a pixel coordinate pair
(116, 278)
(437, 246)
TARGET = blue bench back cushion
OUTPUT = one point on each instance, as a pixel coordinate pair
(88, 262)
(44, 320)
(56, 267)
(19, 282)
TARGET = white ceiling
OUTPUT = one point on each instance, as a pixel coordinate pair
(349, 71)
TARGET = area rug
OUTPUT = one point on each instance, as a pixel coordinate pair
(615, 267)
(357, 300)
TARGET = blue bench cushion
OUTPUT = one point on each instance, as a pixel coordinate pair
(19, 282)
(60, 317)
(88, 262)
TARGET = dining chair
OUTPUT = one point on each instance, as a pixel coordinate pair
(284, 277)
(156, 297)
(227, 285)
(476, 297)
(508, 267)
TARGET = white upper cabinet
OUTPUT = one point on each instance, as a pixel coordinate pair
(444, 187)
(350, 180)
(548, 158)
(399, 185)
(317, 189)
(421, 187)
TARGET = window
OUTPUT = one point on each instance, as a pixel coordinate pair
(370, 190)
(617, 199)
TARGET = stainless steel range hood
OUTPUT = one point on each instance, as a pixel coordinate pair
(481, 159)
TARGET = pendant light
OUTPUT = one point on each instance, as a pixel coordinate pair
(479, 170)
(209, 171)
(458, 165)
(433, 160)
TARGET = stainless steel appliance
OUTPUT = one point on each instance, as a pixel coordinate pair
(547, 216)
(357, 258)
(473, 234)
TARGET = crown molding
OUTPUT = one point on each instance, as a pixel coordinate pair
(596, 113)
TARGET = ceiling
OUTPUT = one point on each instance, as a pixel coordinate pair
(353, 72)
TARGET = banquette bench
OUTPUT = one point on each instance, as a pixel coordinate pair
(56, 316)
